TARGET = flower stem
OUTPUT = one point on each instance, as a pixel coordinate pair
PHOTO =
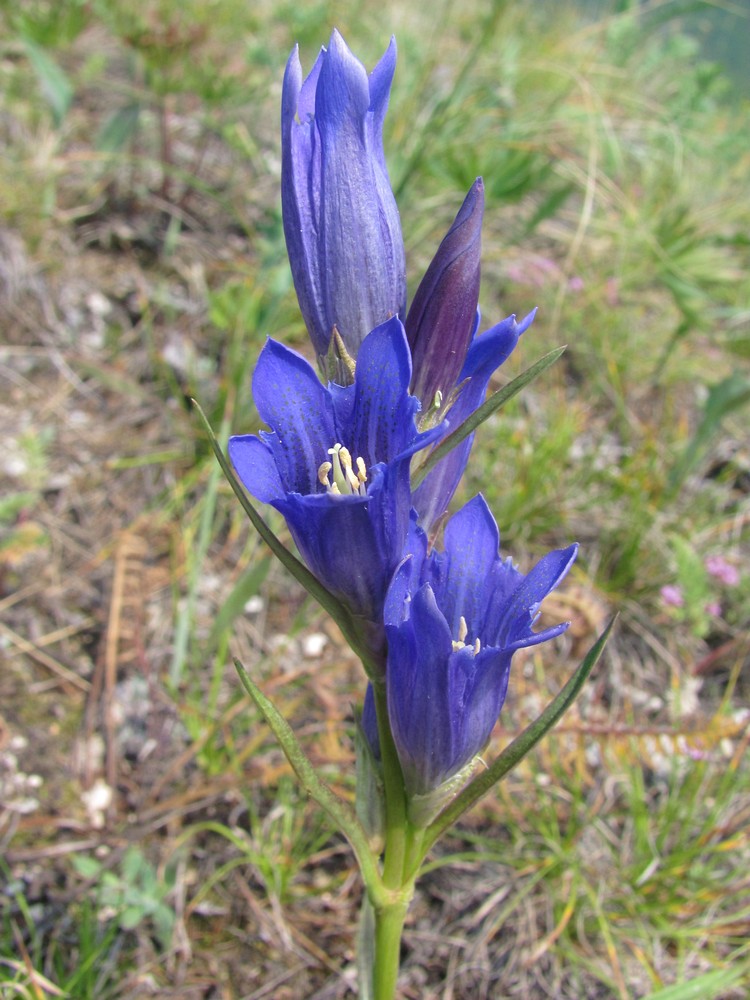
(395, 795)
(389, 923)
(390, 912)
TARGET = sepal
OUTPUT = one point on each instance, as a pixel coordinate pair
(370, 795)
(422, 809)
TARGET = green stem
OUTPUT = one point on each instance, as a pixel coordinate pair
(395, 796)
(390, 911)
(389, 924)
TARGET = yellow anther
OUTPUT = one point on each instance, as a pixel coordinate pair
(345, 481)
(323, 474)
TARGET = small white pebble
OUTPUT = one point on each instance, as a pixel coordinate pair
(254, 606)
(314, 644)
(97, 799)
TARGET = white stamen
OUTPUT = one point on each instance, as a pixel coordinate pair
(345, 482)
(460, 643)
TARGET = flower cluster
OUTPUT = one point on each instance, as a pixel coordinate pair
(441, 626)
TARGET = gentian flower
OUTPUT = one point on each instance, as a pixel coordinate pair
(453, 621)
(341, 222)
(336, 465)
(452, 364)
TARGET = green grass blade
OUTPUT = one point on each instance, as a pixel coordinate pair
(490, 406)
(707, 987)
(514, 753)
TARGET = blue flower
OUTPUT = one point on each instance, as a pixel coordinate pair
(453, 621)
(487, 351)
(336, 465)
(341, 222)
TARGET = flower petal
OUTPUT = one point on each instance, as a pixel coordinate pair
(293, 402)
(254, 463)
(383, 409)
(441, 318)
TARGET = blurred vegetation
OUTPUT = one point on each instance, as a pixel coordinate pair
(617, 174)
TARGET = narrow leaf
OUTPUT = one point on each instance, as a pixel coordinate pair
(339, 811)
(730, 394)
(299, 571)
(490, 406)
(514, 753)
(709, 986)
(56, 87)
(119, 129)
(246, 587)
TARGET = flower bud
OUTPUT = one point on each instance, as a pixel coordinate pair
(341, 223)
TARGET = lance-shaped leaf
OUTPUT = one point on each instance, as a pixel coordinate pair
(339, 811)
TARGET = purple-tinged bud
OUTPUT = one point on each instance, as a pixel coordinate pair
(341, 223)
(442, 317)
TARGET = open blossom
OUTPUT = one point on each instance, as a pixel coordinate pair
(336, 464)
(341, 223)
(453, 621)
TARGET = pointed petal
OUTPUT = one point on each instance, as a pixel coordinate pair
(255, 465)
(471, 550)
(343, 93)
(486, 353)
(441, 318)
(519, 614)
(380, 88)
(300, 193)
(383, 410)
(290, 398)
(418, 696)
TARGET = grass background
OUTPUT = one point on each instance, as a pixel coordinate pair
(152, 841)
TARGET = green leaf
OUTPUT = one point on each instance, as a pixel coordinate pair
(514, 753)
(299, 571)
(119, 129)
(56, 87)
(730, 394)
(86, 866)
(490, 406)
(340, 811)
(246, 587)
(710, 986)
